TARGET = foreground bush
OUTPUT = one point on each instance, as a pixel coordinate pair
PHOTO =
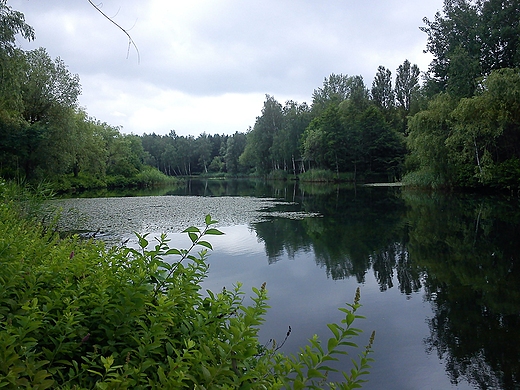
(77, 315)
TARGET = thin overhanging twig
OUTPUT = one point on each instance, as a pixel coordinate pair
(130, 40)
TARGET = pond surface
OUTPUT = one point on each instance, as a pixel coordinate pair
(439, 274)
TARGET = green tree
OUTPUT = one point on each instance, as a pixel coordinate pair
(382, 92)
(90, 152)
(234, 148)
(335, 89)
(286, 142)
(470, 39)
(406, 85)
(49, 97)
(259, 148)
(455, 31)
(485, 141)
(332, 140)
(12, 61)
(383, 147)
(500, 31)
(202, 150)
(12, 23)
(154, 146)
(49, 87)
(430, 158)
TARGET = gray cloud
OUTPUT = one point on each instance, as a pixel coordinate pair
(201, 50)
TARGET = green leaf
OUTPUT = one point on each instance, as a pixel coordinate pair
(191, 229)
(335, 329)
(327, 368)
(173, 251)
(143, 242)
(209, 221)
(206, 244)
(206, 373)
(313, 373)
(193, 236)
(332, 343)
(214, 232)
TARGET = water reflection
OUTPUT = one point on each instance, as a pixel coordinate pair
(468, 249)
(461, 252)
(464, 250)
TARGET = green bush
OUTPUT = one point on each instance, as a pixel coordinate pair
(151, 176)
(316, 175)
(81, 182)
(77, 315)
(116, 181)
(278, 174)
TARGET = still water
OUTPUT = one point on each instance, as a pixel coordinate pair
(439, 273)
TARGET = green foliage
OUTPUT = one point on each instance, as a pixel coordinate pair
(429, 130)
(12, 23)
(469, 39)
(150, 176)
(382, 91)
(472, 142)
(75, 314)
(406, 84)
(315, 175)
(278, 174)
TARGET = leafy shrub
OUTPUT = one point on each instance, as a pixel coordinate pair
(423, 179)
(114, 181)
(150, 176)
(75, 314)
(81, 182)
(507, 174)
(317, 175)
(278, 174)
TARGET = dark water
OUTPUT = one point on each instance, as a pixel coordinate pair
(439, 273)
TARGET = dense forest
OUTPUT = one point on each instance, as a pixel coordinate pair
(456, 124)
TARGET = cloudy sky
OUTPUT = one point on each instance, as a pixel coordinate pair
(206, 65)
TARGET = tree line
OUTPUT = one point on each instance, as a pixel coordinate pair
(454, 125)
(294, 137)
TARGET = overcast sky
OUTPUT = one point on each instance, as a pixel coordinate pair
(206, 65)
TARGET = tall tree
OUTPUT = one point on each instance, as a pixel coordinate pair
(500, 29)
(12, 60)
(485, 141)
(259, 149)
(12, 23)
(406, 84)
(470, 39)
(286, 143)
(49, 87)
(430, 158)
(335, 89)
(454, 31)
(383, 148)
(234, 148)
(382, 91)
(203, 151)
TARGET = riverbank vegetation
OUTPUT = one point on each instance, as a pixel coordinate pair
(76, 314)
(455, 125)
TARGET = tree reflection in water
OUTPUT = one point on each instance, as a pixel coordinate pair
(462, 249)
(469, 250)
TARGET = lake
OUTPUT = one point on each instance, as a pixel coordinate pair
(439, 273)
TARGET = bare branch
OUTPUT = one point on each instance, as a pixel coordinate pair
(130, 40)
